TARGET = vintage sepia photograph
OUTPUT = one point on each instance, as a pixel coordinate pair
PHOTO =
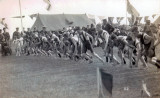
(79, 48)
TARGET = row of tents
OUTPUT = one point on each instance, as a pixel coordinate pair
(59, 21)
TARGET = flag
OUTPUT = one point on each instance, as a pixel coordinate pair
(105, 83)
(90, 16)
(130, 20)
(139, 19)
(101, 17)
(131, 10)
(153, 15)
(97, 20)
(33, 15)
(49, 4)
(110, 20)
(119, 19)
(133, 19)
(146, 18)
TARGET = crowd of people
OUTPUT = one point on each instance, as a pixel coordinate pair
(136, 44)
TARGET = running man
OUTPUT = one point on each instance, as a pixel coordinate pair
(84, 37)
(103, 37)
(147, 48)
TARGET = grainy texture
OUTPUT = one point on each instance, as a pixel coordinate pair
(47, 77)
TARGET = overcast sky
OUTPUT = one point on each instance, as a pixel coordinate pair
(99, 7)
(9, 8)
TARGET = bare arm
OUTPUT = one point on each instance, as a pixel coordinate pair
(106, 36)
(129, 45)
(75, 45)
(138, 53)
(152, 44)
(90, 36)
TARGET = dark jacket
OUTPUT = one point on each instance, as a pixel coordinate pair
(108, 28)
(6, 36)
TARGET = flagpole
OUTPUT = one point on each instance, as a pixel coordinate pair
(126, 12)
(159, 7)
(21, 16)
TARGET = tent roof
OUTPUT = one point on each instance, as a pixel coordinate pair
(58, 21)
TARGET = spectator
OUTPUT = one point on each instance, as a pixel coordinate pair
(6, 35)
(1, 36)
(16, 34)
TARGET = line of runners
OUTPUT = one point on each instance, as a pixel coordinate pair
(74, 43)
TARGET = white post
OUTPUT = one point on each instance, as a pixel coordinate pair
(98, 84)
(21, 16)
(126, 12)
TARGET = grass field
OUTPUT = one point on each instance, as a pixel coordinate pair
(47, 77)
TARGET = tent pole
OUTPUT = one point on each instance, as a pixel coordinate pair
(21, 16)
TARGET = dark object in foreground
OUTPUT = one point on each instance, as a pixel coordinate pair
(105, 83)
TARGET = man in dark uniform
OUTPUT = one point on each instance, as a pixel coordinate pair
(147, 48)
(106, 26)
(88, 27)
(6, 35)
(16, 34)
(1, 39)
(35, 30)
(92, 30)
(1, 36)
(5, 43)
(29, 31)
(43, 32)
